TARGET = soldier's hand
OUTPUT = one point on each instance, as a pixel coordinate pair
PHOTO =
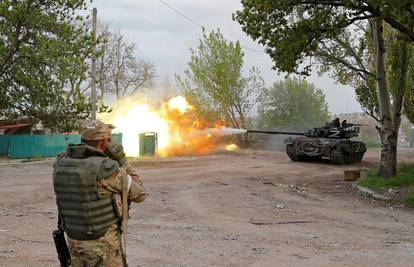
(115, 151)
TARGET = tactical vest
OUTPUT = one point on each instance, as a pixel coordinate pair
(84, 215)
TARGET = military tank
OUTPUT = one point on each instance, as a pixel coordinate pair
(332, 142)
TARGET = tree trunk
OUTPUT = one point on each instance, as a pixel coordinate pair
(388, 163)
(117, 88)
(102, 96)
(401, 88)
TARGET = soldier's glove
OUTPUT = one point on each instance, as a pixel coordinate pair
(115, 151)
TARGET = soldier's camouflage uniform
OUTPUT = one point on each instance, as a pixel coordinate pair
(106, 251)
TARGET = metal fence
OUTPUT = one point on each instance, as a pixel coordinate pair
(33, 146)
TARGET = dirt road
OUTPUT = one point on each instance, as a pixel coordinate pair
(247, 209)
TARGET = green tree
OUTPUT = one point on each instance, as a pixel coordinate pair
(350, 59)
(43, 51)
(214, 83)
(292, 104)
(295, 30)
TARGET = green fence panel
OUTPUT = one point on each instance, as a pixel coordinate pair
(117, 138)
(147, 144)
(31, 146)
(4, 145)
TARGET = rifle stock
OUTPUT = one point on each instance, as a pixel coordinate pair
(61, 247)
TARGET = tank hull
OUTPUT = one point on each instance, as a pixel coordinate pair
(338, 151)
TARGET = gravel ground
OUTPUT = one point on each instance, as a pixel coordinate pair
(243, 209)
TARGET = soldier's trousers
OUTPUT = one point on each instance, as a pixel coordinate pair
(103, 252)
(97, 259)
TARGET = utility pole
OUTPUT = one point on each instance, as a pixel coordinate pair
(93, 74)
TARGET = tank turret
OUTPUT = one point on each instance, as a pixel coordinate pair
(330, 142)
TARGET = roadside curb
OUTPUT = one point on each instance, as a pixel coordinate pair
(19, 162)
(364, 191)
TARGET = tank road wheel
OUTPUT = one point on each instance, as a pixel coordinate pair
(309, 158)
(354, 157)
(290, 150)
(348, 158)
(304, 158)
(360, 156)
(345, 157)
(337, 158)
(351, 158)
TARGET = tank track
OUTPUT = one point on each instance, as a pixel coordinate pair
(337, 155)
(344, 158)
(290, 151)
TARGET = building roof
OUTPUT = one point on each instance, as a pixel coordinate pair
(14, 127)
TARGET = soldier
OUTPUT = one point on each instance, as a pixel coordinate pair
(336, 123)
(88, 186)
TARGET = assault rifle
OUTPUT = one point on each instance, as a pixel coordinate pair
(61, 247)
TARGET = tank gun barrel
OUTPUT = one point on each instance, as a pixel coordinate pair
(356, 124)
(274, 132)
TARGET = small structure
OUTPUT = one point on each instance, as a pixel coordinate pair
(148, 144)
(21, 128)
(352, 175)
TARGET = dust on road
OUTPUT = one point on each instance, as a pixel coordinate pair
(246, 209)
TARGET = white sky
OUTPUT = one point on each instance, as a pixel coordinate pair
(165, 38)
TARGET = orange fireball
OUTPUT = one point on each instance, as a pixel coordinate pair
(231, 147)
(179, 130)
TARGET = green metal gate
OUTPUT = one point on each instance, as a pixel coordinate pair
(148, 144)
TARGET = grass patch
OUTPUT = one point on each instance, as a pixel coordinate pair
(370, 143)
(409, 199)
(404, 181)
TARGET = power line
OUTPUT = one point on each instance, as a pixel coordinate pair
(199, 24)
(181, 14)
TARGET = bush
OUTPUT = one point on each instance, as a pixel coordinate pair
(409, 197)
(403, 179)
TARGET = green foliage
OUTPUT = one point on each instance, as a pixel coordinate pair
(349, 59)
(404, 179)
(336, 36)
(294, 30)
(406, 130)
(401, 72)
(214, 83)
(370, 143)
(400, 61)
(409, 101)
(409, 198)
(291, 30)
(43, 50)
(292, 104)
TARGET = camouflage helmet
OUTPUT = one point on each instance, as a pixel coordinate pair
(95, 130)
